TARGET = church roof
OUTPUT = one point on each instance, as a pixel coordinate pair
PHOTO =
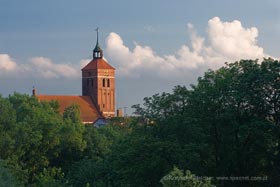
(89, 113)
(97, 63)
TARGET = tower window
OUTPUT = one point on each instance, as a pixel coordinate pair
(104, 82)
(97, 55)
(108, 82)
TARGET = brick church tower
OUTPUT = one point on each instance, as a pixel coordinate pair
(98, 82)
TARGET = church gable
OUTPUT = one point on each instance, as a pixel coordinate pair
(97, 64)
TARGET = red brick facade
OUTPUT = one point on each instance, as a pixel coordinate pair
(98, 90)
(98, 82)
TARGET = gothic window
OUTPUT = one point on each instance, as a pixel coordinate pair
(104, 82)
(108, 82)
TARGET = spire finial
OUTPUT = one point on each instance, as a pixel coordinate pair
(97, 34)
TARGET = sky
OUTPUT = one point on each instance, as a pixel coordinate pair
(153, 44)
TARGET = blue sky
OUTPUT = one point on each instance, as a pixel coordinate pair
(154, 45)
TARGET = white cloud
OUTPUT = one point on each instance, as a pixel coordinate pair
(84, 62)
(37, 67)
(226, 42)
(233, 41)
(6, 63)
(47, 69)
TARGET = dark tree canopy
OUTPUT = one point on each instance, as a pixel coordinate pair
(227, 125)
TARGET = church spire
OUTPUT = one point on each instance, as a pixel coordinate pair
(97, 52)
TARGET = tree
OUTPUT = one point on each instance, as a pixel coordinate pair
(227, 123)
(100, 140)
(7, 179)
(51, 177)
(71, 133)
(89, 172)
(95, 168)
(72, 113)
(177, 178)
(231, 104)
(35, 134)
(7, 128)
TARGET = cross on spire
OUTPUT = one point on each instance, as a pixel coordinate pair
(97, 34)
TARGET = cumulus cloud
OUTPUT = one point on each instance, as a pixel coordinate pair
(37, 67)
(6, 63)
(47, 69)
(225, 42)
(84, 62)
(232, 40)
(132, 63)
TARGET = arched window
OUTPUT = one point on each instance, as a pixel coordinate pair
(104, 82)
(108, 82)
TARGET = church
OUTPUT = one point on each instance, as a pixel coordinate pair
(97, 103)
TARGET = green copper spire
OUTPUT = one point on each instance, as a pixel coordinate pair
(97, 52)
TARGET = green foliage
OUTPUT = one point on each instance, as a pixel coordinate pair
(231, 106)
(7, 179)
(72, 143)
(51, 177)
(100, 140)
(95, 169)
(177, 178)
(141, 159)
(7, 126)
(72, 113)
(160, 107)
(226, 125)
(34, 136)
(88, 172)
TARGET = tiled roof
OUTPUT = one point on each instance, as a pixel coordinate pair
(98, 63)
(89, 113)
